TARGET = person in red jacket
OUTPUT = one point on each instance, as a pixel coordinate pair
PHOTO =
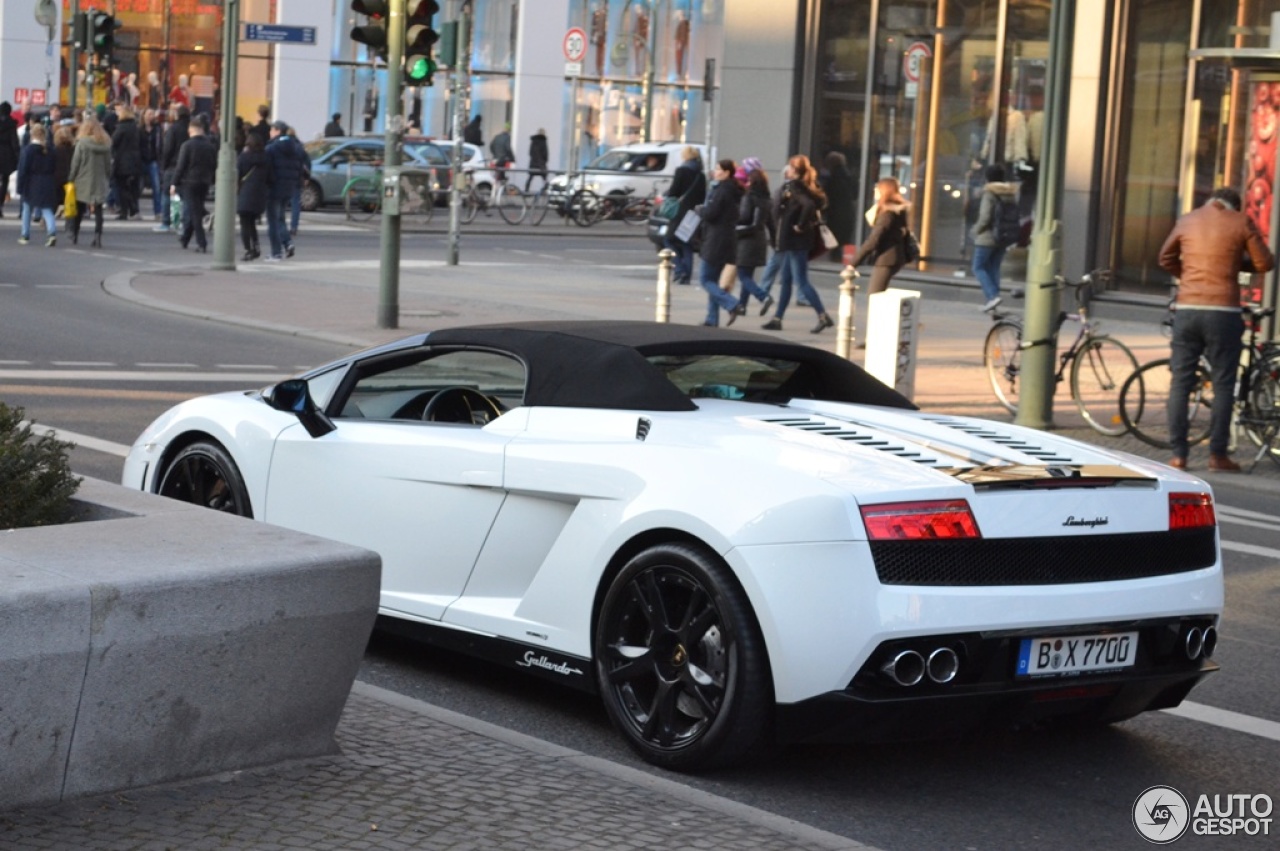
(1206, 252)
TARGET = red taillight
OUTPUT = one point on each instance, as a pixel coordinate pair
(909, 521)
(1191, 511)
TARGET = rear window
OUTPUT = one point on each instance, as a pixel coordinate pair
(727, 376)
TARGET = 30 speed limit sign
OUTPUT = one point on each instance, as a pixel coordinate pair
(912, 58)
(575, 45)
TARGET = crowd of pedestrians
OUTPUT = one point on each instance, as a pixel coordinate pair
(102, 161)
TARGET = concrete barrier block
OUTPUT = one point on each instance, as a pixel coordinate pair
(209, 643)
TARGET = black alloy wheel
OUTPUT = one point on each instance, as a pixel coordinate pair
(204, 474)
(680, 661)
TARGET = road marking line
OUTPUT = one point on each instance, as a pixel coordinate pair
(1251, 549)
(83, 440)
(1246, 513)
(1227, 719)
(81, 363)
(142, 365)
(246, 366)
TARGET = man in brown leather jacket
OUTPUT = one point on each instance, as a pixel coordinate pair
(1206, 251)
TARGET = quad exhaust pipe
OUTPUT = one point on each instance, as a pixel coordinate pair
(909, 667)
(1200, 643)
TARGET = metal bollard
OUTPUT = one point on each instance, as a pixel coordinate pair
(844, 322)
(662, 306)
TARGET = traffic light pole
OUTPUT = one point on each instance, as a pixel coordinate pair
(1039, 335)
(224, 201)
(73, 58)
(461, 97)
(389, 278)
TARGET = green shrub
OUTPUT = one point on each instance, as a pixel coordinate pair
(36, 483)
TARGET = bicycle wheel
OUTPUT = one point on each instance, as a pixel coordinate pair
(1144, 407)
(360, 199)
(637, 212)
(1002, 356)
(511, 204)
(1098, 370)
(538, 204)
(1260, 416)
(585, 207)
(470, 206)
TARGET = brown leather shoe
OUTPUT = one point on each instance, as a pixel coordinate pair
(1178, 463)
(1222, 464)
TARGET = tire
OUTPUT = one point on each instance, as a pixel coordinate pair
(1002, 356)
(585, 207)
(638, 211)
(204, 474)
(470, 206)
(1261, 415)
(511, 204)
(538, 206)
(312, 196)
(360, 199)
(680, 661)
(1143, 405)
(1098, 371)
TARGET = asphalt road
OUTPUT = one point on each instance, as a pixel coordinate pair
(83, 362)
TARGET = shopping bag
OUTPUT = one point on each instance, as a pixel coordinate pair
(69, 201)
(668, 208)
(829, 240)
(175, 211)
(728, 277)
(688, 226)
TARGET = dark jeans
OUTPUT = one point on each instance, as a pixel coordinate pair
(277, 231)
(716, 297)
(683, 271)
(249, 232)
(986, 267)
(1216, 334)
(193, 213)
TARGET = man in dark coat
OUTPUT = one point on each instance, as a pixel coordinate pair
(10, 150)
(126, 161)
(196, 171)
(720, 239)
(263, 128)
(539, 155)
(334, 127)
(472, 132)
(289, 161)
(174, 137)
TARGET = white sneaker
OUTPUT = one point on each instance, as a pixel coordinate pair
(991, 305)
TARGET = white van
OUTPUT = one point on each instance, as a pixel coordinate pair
(636, 169)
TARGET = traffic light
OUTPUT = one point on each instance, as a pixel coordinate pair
(374, 32)
(419, 41)
(102, 35)
(80, 30)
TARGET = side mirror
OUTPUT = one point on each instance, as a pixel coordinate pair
(293, 396)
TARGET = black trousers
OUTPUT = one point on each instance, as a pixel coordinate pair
(249, 231)
(81, 209)
(194, 196)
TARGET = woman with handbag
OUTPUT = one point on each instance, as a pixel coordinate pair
(755, 234)
(799, 214)
(91, 173)
(254, 170)
(689, 186)
(720, 240)
(886, 246)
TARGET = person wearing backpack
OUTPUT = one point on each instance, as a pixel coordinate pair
(998, 227)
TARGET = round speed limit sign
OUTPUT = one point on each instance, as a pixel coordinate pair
(913, 57)
(575, 45)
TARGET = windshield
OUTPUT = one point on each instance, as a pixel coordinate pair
(319, 148)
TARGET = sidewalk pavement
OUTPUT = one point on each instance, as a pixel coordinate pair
(410, 775)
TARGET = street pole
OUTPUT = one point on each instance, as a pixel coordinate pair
(389, 279)
(224, 202)
(73, 58)
(1039, 335)
(461, 98)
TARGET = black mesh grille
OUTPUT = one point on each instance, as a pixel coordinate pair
(1043, 561)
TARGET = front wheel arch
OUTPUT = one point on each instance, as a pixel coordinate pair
(217, 454)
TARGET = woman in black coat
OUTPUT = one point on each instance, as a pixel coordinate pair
(254, 169)
(720, 239)
(36, 187)
(838, 185)
(755, 234)
(126, 161)
(885, 246)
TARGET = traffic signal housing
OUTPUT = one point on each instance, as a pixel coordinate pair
(373, 34)
(102, 35)
(420, 38)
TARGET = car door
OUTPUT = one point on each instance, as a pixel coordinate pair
(421, 493)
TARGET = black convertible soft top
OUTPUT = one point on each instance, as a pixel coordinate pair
(602, 364)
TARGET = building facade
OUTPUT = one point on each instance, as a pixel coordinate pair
(1168, 98)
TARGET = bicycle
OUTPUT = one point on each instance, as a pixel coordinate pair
(1099, 363)
(502, 195)
(419, 189)
(1256, 400)
(589, 207)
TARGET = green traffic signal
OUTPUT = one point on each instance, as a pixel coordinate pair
(420, 37)
(418, 70)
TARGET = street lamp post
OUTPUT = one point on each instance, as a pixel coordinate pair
(224, 202)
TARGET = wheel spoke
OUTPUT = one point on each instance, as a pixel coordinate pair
(636, 663)
(660, 721)
(649, 597)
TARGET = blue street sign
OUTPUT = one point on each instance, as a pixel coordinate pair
(279, 33)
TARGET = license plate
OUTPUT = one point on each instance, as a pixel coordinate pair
(1046, 657)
